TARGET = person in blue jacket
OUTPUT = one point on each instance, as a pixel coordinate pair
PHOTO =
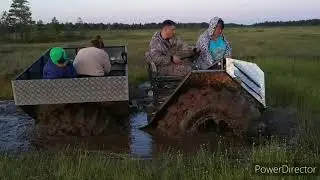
(58, 66)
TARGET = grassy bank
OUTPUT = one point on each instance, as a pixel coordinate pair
(205, 165)
(270, 44)
(289, 57)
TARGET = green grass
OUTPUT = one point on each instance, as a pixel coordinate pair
(290, 58)
(204, 165)
(248, 43)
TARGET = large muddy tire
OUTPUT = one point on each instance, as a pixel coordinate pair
(81, 120)
(210, 109)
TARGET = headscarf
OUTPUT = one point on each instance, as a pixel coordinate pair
(205, 59)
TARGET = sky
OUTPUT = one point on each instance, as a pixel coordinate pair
(146, 11)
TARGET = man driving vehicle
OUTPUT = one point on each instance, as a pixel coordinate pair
(169, 52)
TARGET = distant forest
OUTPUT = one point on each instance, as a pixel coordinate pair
(16, 25)
(121, 26)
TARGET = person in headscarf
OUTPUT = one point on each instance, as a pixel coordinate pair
(170, 53)
(213, 45)
(58, 66)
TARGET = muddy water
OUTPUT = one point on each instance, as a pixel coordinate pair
(16, 127)
(141, 142)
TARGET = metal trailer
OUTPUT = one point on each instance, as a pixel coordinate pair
(34, 94)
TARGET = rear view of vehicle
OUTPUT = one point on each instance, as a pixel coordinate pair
(76, 106)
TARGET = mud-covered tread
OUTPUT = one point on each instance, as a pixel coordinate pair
(234, 107)
(75, 120)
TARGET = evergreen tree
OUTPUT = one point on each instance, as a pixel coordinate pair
(19, 17)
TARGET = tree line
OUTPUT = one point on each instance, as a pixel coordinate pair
(16, 24)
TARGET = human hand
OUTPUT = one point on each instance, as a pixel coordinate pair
(176, 60)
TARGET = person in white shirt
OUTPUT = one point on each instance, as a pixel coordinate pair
(92, 61)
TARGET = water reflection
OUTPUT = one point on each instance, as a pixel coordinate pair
(147, 145)
(141, 144)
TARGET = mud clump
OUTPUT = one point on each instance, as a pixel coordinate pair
(208, 108)
(79, 120)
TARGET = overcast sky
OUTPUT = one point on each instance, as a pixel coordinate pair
(136, 11)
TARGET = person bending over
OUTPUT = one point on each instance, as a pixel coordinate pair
(58, 66)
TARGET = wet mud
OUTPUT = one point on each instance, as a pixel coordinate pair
(77, 120)
(17, 129)
(281, 123)
(209, 109)
(80, 124)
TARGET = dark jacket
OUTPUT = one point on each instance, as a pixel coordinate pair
(52, 71)
(161, 52)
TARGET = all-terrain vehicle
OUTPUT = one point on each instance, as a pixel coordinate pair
(231, 98)
(76, 106)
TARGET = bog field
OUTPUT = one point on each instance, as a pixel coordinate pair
(290, 58)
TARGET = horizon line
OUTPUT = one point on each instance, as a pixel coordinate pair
(177, 22)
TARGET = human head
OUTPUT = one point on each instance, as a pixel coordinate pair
(216, 26)
(168, 29)
(219, 27)
(97, 42)
(58, 56)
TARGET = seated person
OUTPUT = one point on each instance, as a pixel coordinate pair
(58, 65)
(92, 61)
(164, 50)
(213, 45)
